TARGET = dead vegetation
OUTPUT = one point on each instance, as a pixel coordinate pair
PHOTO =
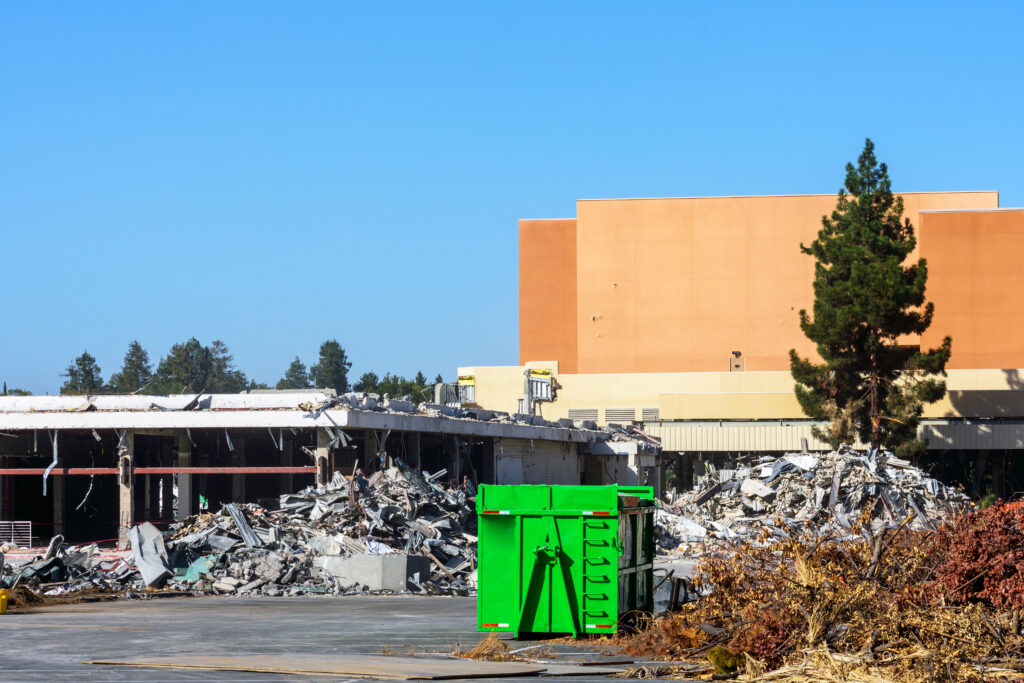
(491, 649)
(896, 604)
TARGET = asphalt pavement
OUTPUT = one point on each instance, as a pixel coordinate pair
(53, 643)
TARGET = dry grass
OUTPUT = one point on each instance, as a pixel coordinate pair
(490, 649)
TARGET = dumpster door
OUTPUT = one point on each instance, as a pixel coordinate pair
(551, 582)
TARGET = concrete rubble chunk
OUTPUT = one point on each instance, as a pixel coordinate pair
(752, 487)
(149, 553)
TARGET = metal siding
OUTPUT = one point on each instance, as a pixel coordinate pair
(731, 437)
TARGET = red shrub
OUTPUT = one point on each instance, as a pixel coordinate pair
(985, 560)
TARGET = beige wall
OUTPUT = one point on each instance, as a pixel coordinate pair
(727, 395)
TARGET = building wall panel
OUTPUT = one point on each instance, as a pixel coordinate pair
(547, 291)
(676, 284)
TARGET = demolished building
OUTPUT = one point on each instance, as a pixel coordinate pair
(92, 467)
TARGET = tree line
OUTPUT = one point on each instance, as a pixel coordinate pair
(191, 367)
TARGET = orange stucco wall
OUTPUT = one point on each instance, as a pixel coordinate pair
(675, 285)
(976, 280)
(547, 292)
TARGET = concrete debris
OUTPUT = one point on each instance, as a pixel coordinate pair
(149, 553)
(375, 402)
(398, 531)
(829, 492)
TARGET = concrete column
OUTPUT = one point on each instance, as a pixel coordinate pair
(238, 480)
(323, 475)
(126, 489)
(184, 480)
(148, 494)
(288, 460)
(57, 493)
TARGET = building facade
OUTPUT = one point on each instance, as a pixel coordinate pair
(680, 313)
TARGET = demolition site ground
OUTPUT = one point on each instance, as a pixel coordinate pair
(55, 643)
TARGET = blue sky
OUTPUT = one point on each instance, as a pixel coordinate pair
(275, 174)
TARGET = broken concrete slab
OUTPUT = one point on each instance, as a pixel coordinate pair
(150, 553)
(376, 572)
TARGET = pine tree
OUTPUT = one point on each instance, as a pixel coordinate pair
(225, 378)
(438, 379)
(871, 383)
(83, 376)
(331, 371)
(135, 373)
(186, 368)
(295, 377)
(368, 382)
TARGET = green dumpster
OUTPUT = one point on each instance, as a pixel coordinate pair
(563, 559)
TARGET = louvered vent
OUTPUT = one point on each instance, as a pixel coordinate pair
(649, 414)
(581, 414)
(619, 414)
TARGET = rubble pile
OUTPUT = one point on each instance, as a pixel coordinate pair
(246, 549)
(828, 492)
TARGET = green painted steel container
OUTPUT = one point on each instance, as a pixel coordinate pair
(564, 559)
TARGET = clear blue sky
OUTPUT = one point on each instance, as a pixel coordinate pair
(275, 174)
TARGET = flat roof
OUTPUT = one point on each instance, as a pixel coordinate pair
(299, 410)
(771, 196)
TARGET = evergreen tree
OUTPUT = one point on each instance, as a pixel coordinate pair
(225, 378)
(865, 300)
(135, 373)
(331, 371)
(186, 368)
(295, 377)
(368, 382)
(438, 379)
(83, 376)
(14, 392)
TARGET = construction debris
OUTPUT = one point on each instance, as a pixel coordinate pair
(296, 549)
(827, 492)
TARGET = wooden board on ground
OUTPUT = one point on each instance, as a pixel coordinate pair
(578, 670)
(363, 666)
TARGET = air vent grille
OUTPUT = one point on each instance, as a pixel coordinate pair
(619, 414)
(649, 414)
(580, 414)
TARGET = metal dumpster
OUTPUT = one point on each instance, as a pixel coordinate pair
(563, 559)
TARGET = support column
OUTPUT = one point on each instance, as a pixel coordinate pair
(238, 480)
(184, 480)
(147, 497)
(3, 491)
(288, 460)
(323, 476)
(126, 489)
(166, 510)
(57, 492)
